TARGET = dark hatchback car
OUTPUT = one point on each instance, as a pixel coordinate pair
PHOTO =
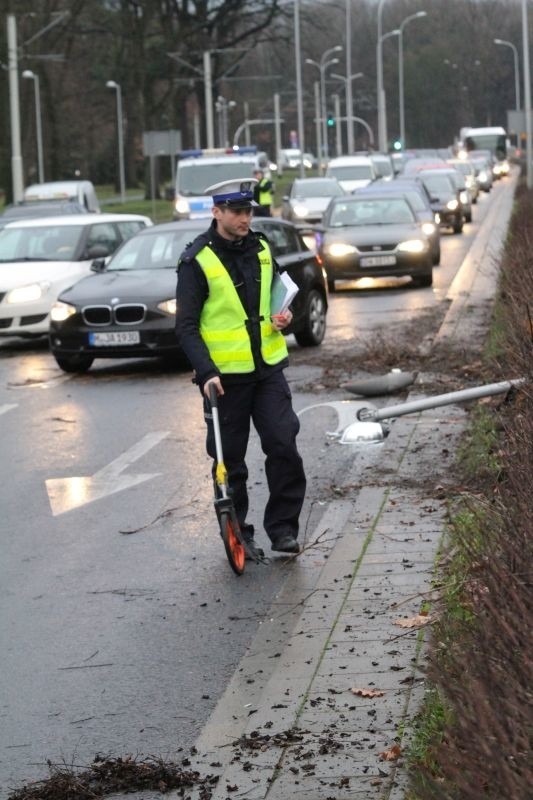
(128, 307)
(374, 235)
(444, 198)
(419, 200)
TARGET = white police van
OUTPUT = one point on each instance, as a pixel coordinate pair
(198, 169)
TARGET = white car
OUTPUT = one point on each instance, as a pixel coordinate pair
(352, 172)
(39, 258)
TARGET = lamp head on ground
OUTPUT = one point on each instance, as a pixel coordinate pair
(29, 74)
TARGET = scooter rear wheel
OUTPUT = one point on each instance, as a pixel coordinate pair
(234, 547)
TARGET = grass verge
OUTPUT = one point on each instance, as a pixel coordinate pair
(472, 740)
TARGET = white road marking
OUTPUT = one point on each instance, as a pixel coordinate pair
(65, 494)
(7, 407)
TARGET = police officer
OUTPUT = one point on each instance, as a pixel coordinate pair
(224, 326)
(263, 192)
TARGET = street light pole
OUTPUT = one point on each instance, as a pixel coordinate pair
(14, 107)
(380, 99)
(527, 92)
(516, 69)
(322, 66)
(405, 22)
(382, 143)
(299, 95)
(38, 126)
(349, 104)
(120, 134)
(349, 98)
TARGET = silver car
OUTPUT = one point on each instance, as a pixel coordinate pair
(309, 198)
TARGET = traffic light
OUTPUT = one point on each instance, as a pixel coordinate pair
(331, 122)
(397, 145)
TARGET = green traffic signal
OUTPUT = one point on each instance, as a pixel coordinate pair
(331, 122)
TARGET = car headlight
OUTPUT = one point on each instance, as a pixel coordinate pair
(452, 205)
(482, 176)
(338, 249)
(27, 294)
(300, 210)
(61, 311)
(168, 306)
(428, 228)
(463, 197)
(182, 206)
(413, 246)
(437, 219)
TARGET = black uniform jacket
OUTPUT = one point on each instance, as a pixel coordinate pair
(241, 261)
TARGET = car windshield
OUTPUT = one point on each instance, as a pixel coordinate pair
(439, 183)
(319, 188)
(382, 211)
(42, 243)
(383, 168)
(416, 200)
(194, 177)
(157, 250)
(351, 172)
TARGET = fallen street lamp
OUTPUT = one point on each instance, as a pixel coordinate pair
(120, 135)
(29, 75)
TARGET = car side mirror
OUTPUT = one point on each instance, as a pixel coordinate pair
(98, 265)
(98, 251)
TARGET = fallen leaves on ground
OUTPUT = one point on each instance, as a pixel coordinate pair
(111, 775)
(367, 692)
(414, 622)
(392, 754)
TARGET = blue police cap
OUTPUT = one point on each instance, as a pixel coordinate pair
(233, 194)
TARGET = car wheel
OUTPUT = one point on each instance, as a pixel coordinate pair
(468, 218)
(424, 280)
(314, 325)
(77, 363)
(331, 285)
(458, 226)
(436, 257)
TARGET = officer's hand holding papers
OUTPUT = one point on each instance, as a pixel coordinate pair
(282, 293)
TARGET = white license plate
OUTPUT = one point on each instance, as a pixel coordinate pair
(114, 337)
(378, 261)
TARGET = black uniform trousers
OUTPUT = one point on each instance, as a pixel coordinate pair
(267, 403)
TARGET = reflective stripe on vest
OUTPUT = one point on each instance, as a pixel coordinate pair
(223, 318)
(265, 195)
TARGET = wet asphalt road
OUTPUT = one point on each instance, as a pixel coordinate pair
(121, 620)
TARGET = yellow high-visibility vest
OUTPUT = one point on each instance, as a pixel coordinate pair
(223, 318)
(265, 195)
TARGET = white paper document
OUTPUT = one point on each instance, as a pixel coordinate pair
(282, 293)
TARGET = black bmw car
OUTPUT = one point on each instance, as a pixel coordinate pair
(127, 308)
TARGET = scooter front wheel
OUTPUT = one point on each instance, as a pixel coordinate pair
(234, 547)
